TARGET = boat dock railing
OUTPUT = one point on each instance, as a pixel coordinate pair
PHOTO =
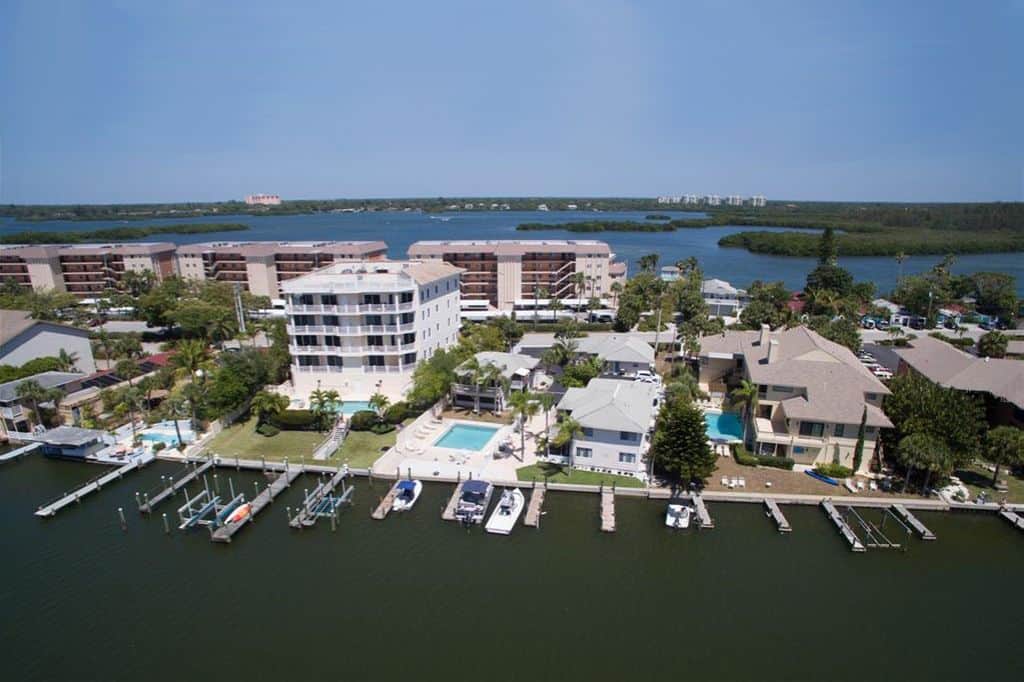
(225, 531)
(170, 485)
(51, 508)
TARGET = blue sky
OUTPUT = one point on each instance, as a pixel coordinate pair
(146, 101)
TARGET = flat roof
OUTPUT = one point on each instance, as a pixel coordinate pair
(511, 247)
(267, 248)
(368, 275)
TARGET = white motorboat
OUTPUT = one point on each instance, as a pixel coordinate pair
(408, 493)
(503, 518)
(472, 504)
(677, 516)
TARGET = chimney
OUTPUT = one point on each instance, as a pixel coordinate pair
(763, 339)
(773, 351)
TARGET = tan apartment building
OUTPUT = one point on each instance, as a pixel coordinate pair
(263, 266)
(812, 393)
(504, 272)
(85, 270)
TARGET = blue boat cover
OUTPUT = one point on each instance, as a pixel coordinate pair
(406, 485)
(478, 487)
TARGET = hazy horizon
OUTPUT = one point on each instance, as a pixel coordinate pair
(111, 102)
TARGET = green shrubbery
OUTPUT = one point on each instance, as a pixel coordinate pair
(745, 458)
(834, 470)
(364, 420)
(268, 430)
(397, 413)
(380, 428)
(294, 420)
(963, 342)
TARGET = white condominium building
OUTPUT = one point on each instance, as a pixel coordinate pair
(504, 272)
(361, 327)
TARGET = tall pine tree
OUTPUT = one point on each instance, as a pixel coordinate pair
(858, 452)
(680, 448)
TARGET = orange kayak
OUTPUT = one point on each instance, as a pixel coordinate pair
(240, 514)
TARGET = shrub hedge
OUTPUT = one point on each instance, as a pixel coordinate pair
(834, 470)
(294, 420)
(363, 420)
(397, 413)
(380, 428)
(745, 458)
(268, 430)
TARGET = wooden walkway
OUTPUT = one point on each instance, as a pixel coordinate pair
(777, 515)
(449, 511)
(1013, 518)
(307, 515)
(702, 512)
(855, 544)
(224, 533)
(92, 486)
(384, 508)
(534, 508)
(912, 520)
(607, 511)
(147, 503)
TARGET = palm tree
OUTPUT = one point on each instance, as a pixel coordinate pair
(554, 305)
(191, 355)
(31, 390)
(266, 405)
(616, 289)
(131, 397)
(67, 361)
(568, 429)
(579, 281)
(744, 396)
(546, 401)
(220, 329)
(104, 340)
(177, 406)
(318, 405)
(379, 402)
(128, 347)
(482, 375)
(524, 406)
(564, 351)
(895, 331)
(922, 451)
(127, 369)
(538, 293)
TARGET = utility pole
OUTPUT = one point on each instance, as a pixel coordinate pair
(239, 310)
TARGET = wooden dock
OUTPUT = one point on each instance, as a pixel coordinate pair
(607, 510)
(855, 544)
(51, 508)
(449, 511)
(534, 508)
(702, 512)
(1013, 518)
(147, 503)
(386, 502)
(310, 510)
(777, 515)
(914, 523)
(224, 533)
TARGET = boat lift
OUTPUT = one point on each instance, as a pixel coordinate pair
(206, 508)
(322, 502)
(875, 537)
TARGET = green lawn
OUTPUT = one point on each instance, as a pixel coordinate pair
(241, 440)
(978, 479)
(556, 473)
(362, 448)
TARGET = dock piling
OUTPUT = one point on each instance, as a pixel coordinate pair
(120, 515)
(167, 527)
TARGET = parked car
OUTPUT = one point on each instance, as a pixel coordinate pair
(647, 377)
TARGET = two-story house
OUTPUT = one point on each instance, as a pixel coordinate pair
(511, 372)
(616, 418)
(812, 393)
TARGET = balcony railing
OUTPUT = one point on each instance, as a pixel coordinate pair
(366, 369)
(351, 350)
(360, 330)
(350, 309)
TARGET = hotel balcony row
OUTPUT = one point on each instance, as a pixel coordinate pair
(351, 330)
(350, 309)
(364, 369)
(352, 350)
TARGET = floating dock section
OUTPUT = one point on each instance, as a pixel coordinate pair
(607, 510)
(534, 509)
(147, 503)
(386, 502)
(702, 512)
(92, 486)
(855, 544)
(777, 516)
(227, 530)
(922, 530)
(449, 511)
(1013, 518)
(322, 502)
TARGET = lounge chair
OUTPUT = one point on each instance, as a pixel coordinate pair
(872, 485)
(743, 482)
(725, 481)
(733, 482)
(860, 485)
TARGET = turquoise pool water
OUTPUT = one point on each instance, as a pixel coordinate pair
(353, 406)
(466, 437)
(170, 440)
(723, 425)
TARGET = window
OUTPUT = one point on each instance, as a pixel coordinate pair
(588, 432)
(627, 458)
(871, 396)
(334, 361)
(782, 389)
(405, 297)
(329, 299)
(812, 429)
(840, 430)
(374, 340)
(308, 360)
(628, 436)
(331, 320)
(332, 341)
(376, 360)
(870, 430)
(306, 299)
(409, 358)
(371, 299)
(584, 452)
(374, 320)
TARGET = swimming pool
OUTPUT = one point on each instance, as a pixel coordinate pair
(352, 406)
(466, 437)
(725, 426)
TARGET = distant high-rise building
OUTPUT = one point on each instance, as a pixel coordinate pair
(263, 200)
(758, 201)
(734, 200)
(713, 200)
